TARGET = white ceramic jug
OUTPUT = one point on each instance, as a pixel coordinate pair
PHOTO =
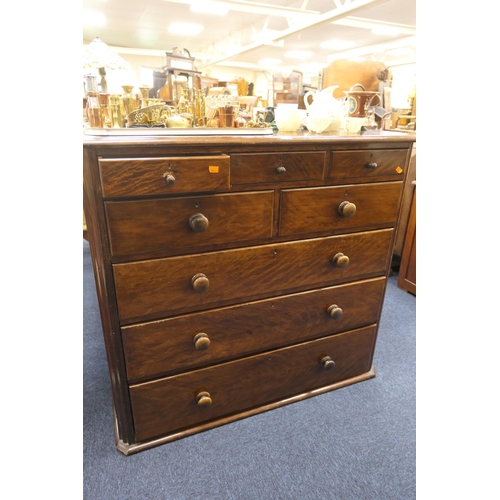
(323, 103)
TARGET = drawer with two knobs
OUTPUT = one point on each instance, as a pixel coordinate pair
(191, 341)
(152, 289)
(189, 399)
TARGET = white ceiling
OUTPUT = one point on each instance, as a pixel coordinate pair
(141, 27)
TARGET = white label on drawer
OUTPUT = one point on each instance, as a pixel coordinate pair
(213, 169)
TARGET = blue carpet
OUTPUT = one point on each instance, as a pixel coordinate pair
(356, 443)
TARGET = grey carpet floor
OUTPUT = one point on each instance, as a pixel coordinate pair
(356, 443)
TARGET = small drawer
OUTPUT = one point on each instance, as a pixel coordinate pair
(312, 210)
(150, 176)
(177, 402)
(386, 164)
(152, 289)
(277, 167)
(183, 343)
(173, 223)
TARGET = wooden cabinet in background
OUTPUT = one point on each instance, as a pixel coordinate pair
(287, 89)
(407, 277)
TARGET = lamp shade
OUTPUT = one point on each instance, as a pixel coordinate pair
(99, 55)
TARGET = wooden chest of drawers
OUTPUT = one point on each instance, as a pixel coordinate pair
(237, 274)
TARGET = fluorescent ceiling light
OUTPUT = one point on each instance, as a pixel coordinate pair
(269, 61)
(337, 44)
(298, 54)
(209, 7)
(185, 28)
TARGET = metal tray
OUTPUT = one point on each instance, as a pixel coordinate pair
(138, 131)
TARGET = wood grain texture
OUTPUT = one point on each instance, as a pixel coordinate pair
(254, 168)
(162, 287)
(390, 164)
(165, 347)
(146, 176)
(169, 404)
(407, 276)
(149, 225)
(227, 278)
(311, 210)
(105, 290)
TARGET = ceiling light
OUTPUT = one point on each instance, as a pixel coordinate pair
(209, 7)
(269, 61)
(185, 28)
(337, 44)
(298, 54)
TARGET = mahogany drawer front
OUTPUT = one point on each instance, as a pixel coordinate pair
(310, 210)
(173, 403)
(170, 223)
(152, 289)
(150, 176)
(183, 343)
(372, 163)
(252, 168)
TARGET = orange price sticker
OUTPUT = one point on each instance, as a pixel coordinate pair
(213, 169)
(399, 170)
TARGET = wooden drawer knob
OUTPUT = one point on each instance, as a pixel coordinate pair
(170, 179)
(335, 312)
(200, 282)
(328, 363)
(372, 165)
(198, 223)
(340, 260)
(201, 341)
(203, 399)
(281, 170)
(347, 209)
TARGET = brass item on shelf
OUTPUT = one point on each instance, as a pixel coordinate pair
(129, 99)
(145, 101)
(116, 111)
(150, 116)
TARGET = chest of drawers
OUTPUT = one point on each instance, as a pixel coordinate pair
(237, 274)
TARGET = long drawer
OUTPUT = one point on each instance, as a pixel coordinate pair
(180, 401)
(152, 289)
(166, 175)
(313, 210)
(192, 341)
(187, 222)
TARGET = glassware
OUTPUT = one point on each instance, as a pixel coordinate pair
(94, 113)
(104, 103)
